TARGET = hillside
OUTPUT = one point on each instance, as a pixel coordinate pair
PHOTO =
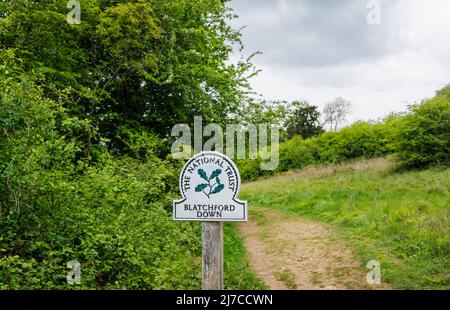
(398, 219)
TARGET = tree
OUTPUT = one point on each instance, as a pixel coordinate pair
(444, 92)
(336, 112)
(303, 120)
(69, 91)
(146, 65)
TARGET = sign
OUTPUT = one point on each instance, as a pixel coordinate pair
(209, 184)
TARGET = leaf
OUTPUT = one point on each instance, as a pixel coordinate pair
(202, 173)
(201, 187)
(217, 180)
(218, 189)
(215, 174)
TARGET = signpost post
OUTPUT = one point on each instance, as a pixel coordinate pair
(212, 255)
(209, 184)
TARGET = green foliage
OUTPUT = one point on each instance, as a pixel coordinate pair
(113, 216)
(265, 112)
(399, 219)
(84, 110)
(250, 169)
(296, 152)
(423, 136)
(303, 121)
(84, 114)
(444, 92)
(144, 64)
(418, 139)
(360, 140)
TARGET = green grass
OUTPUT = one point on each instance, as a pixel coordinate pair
(287, 278)
(237, 272)
(399, 219)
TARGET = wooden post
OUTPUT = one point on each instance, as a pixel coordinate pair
(195, 178)
(212, 256)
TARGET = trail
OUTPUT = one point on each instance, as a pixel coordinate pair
(288, 252)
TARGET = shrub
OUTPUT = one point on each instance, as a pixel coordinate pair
(295, 154)
(423, 136)
(419, 139)
(444, 92)
(360, 140)
(59, 203)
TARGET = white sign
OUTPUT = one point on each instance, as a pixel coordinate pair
(209, 183)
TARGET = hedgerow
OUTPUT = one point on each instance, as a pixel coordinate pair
(109, 213)
(418, 139)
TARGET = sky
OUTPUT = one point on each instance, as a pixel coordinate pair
(317, 50)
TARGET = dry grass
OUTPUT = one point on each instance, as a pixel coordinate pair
(315, 171)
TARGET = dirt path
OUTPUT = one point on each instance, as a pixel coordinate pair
(293, 253)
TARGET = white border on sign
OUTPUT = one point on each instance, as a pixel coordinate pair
(238, 189)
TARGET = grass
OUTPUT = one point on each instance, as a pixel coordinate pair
(287, 278)
(237, 272)
(315, 278)
(399, 219)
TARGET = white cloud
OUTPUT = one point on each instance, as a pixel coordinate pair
(318, 50)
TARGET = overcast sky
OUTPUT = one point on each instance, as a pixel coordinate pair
(317, 50)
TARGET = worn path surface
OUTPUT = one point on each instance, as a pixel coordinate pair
(287, 252)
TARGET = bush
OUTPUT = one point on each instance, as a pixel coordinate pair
(418, 139)
(444, 92)
(61, 200)
(360, 140)
(423, 136)
(296, 154)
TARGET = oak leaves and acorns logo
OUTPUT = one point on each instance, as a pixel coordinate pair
(213, 185)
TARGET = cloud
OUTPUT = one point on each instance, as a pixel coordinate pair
(312, 33)
(321, 49)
